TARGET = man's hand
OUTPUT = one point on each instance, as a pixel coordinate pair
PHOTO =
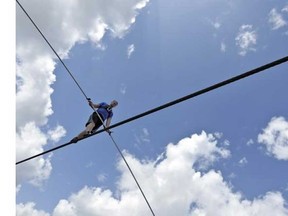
(108, 131)
(90, 103)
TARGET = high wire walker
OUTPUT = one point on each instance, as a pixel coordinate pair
(115, 144)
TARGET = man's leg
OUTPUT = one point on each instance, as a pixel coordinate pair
(89, 127)
(88, 130)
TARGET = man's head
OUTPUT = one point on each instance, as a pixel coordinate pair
(113, 103)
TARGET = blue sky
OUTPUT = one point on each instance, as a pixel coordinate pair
(225, 151)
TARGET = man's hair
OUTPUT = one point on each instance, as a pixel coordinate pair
(115, 102)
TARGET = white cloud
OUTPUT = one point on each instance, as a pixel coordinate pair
(226, 142)
(130, 50)
(216, 24)
(146, 135)
(218, 135)
(30, 141)
(90, 164)
(275, 138)
(102, 177)
(232, 175)
(243, 162)
(57, 133)
(245, 39)
(276, 19)
(28, 209)
(250, 142)
(33, 102)
(285, 9)
(123, 89)
(64, 23)
(143, 137)
(223, 47)
(173, 186)
(18, 187)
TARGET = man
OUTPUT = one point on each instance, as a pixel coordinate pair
(94, 122)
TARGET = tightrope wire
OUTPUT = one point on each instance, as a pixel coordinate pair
(200, 92)
(115, 144)
(187, 97)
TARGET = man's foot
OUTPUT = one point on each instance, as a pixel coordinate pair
(74, 140)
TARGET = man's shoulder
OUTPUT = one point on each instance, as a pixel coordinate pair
(103, 104)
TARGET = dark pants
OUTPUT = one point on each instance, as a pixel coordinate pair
(94, 118)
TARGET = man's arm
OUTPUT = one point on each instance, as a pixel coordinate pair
(108, 122)
(93, 105)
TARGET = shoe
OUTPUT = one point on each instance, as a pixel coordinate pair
(74, 140)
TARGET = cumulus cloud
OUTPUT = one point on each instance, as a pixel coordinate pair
(30, 141)
(57, 133)
(64, 24)
(173, 186)
(276, 19)
(29, 209)
(275, 138)
(246, 39)
(33, 92)
(130, 50)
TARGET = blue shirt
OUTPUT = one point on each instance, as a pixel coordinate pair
(104, 112)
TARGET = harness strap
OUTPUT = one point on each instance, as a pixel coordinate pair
(107, 107)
